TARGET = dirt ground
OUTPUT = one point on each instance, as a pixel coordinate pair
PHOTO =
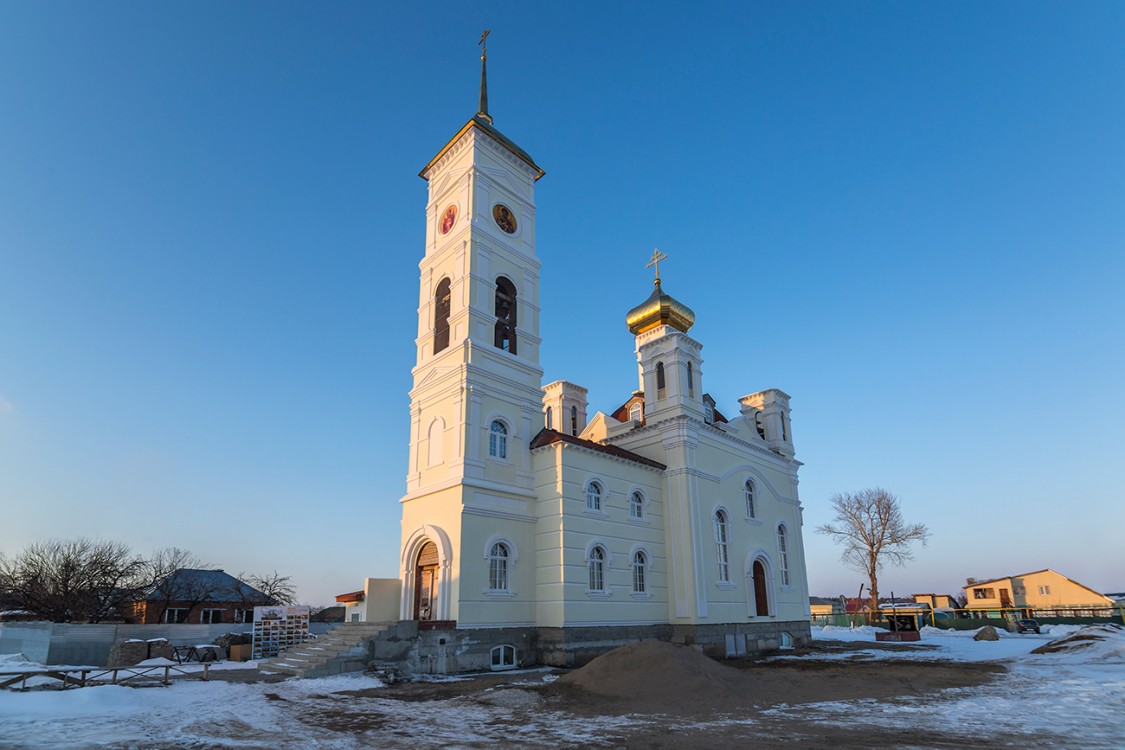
(648, 696)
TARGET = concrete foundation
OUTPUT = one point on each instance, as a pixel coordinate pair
(449, 651)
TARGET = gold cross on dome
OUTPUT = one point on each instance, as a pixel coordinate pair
(657, 256)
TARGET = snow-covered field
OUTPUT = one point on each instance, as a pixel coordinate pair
(1078, 693)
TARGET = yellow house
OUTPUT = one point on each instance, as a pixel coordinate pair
(824, 611)
(937, 601)
(1039, 590)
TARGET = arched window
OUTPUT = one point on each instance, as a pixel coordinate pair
(505, 315)
(636, 412)
(550, 418)
(722, 537)
(639, 564)
(503, 657)
(708, 412)
(636, 506)
(660, 380)
(441, 316)
(498, 440)
(593, 496)
(574, 421)
(498, 567)
(596, 565)
(751, 510)
(690, 380)
(782, 555)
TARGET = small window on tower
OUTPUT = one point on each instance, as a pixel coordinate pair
(574, 421)
(690, 380)
(550, 419)
(660, 380)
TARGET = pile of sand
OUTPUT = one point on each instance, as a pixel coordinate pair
(1099, 641)
(655, 670)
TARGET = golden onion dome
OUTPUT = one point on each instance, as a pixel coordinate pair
(659, 309)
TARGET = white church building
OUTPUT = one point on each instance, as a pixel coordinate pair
(561, 532)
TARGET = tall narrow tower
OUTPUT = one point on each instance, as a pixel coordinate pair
(477, 399)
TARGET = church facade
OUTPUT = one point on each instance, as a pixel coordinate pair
(525, 514)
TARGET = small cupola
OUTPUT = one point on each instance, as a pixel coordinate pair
(660, 309)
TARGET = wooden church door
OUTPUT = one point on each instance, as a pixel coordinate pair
(425, 582)
(761, 599)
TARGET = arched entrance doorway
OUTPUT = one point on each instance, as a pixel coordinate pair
(425, 581)
(761, 596)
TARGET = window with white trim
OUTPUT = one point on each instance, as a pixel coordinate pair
(596, 568)
(640, 562)
(751, 509)
(498, 556)
(782, 555)
(1044, 591)
(498, 440)
(503, 657)
(593, 496)
(722, 538)
(660, 380)
(636, 505)
(550, 419)
(211, 616)
(636, 412)
(690, 381)
(175, 615)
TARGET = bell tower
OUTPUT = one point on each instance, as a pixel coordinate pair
(476, 401)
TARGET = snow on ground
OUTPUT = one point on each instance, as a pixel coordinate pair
(1076, 694)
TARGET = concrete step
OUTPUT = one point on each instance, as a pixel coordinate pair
(331, 653)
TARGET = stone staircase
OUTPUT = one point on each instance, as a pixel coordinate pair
(341, 649)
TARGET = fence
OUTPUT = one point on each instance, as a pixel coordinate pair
(971, 619)
(83, 644)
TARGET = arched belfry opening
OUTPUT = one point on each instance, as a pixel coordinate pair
(425, 581)
(441, 316)
(505, 315)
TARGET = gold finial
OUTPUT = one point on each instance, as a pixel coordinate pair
(483, 44)
(657, 256)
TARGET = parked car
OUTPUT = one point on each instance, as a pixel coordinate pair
(1027, 626)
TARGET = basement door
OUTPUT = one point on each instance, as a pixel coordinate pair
(425, 582)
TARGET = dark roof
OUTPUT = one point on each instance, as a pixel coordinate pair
(549, 437)
(479, 122)
(208, 585)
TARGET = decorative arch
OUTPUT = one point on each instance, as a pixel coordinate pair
(603, 494)
(435, 442)
(407, 560)
(760, 480)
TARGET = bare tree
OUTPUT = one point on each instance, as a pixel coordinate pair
(870, 526)
(278, 589)
(172, 578)
(75, 580)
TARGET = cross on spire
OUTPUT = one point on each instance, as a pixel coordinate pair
(657, 256)
(483, 111)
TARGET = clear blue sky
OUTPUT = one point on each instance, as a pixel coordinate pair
(908, 216)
